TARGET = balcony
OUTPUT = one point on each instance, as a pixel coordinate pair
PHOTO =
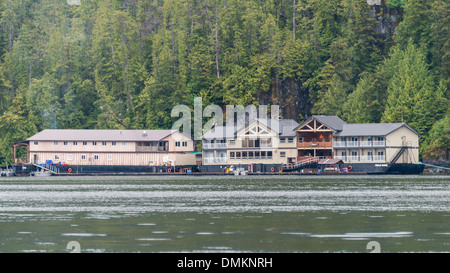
(210, 160)
(352, 144)
(378, 144)
(314, 145)
(215, 145)
(339, 144)
(365, 144)
(221, 160)
(379, 158)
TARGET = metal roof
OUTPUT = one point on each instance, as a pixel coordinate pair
(371, 129)
(100, 135)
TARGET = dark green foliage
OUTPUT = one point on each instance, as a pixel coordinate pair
(126, 64)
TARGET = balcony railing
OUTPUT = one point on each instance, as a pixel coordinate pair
(352, 144)
(215, 160)
(378, 143)
(215, 145)
(208, 160)
(312, 144)
(361, 158)
(208, 145)
(365, 143)
(339, 144)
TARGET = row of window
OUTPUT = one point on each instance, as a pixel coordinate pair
(75, 143)
(252, 155)
(83, 157)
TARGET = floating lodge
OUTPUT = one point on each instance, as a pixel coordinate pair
(321, 144)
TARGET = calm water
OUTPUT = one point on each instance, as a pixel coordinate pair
(225, 214)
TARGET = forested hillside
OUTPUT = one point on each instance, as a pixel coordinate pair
(126, 63)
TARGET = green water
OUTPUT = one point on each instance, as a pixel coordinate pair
(225, 214)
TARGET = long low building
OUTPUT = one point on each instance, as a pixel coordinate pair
(111, 148)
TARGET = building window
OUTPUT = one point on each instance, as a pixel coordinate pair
(343, 139)
(282, 154)
(380, 153)
(113, 143)
(282, 140)
(66, 143)
(184, 143)
(124, 143)
(231, 155)
(36, 143)
(103, 143)
(232, 141)
(96, 157)
(291, 140)
(94, 143)
(55, 143)
(250, 155)
(56, 157)
(69, 157)
(109, 157)
(177, 144)
(75, 143)
(83, 157)
(269, 154)
(84, 143)
(301, 139)
(238, 155)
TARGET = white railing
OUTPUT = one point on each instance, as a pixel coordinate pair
(352, 158)
(221, 160)
(221, 145)
(339, 144)
(343, 158)
(208, 145)
(365, 144)
(378, 143)
(352, 144)
(208, 160)
(379, 158)
(365, 158)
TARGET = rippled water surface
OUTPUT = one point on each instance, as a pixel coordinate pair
(225, 214)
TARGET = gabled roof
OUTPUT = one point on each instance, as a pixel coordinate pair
(332, 122)
(283, 128)
(372, 129)
(100, 135)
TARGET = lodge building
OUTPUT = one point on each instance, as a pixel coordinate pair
(111, 147)
(275, 142)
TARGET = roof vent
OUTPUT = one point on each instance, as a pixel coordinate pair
(144, 133)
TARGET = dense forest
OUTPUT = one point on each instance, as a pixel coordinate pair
(126, 63)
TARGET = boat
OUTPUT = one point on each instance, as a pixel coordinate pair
(7, 172)
(41, 173)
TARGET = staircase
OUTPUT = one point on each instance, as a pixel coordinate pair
(51, 168)
(399, 154)
(300, 164)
